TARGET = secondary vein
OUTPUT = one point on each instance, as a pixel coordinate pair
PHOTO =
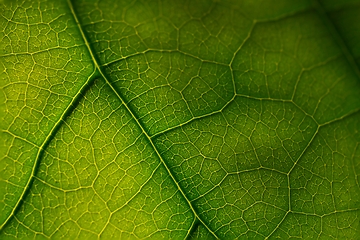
(45, 143)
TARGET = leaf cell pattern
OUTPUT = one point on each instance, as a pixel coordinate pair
(179, 119)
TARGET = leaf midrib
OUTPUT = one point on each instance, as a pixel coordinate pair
(120, 97)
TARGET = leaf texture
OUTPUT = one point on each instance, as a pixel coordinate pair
(179, 120)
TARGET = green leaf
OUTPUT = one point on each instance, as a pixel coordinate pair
(180, 119)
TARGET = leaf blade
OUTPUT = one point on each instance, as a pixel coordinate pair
(246, 96)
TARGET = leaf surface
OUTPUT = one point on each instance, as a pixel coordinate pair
(179, 119)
